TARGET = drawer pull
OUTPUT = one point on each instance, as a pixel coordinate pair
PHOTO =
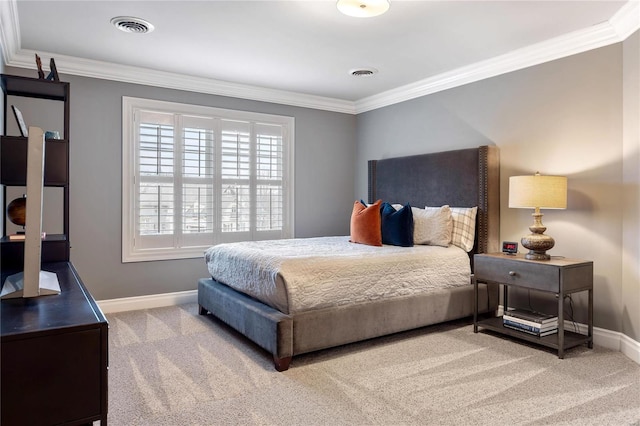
(512, 273)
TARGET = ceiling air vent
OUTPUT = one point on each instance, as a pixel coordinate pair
(363, 72)
(129, 24)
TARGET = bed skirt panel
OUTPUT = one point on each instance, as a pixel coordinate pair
(269, 328)
(319, 329)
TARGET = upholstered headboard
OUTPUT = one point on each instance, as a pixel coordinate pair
(460, 178)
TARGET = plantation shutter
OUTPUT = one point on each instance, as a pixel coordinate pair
(198, 176)
(198, 167)
(269, 180)
(155, 201)
(235, 180)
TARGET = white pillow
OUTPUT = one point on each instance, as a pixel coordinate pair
(431, 226)
(464, 227)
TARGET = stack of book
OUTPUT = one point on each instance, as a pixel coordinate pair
(529, 322)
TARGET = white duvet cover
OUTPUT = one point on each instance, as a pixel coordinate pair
(302, 274)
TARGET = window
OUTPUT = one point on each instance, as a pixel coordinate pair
(197, 176)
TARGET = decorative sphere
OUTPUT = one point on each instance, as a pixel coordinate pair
(16, 211)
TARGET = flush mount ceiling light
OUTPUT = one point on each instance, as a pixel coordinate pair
(363, 72)
(363, 8)
(129, 24)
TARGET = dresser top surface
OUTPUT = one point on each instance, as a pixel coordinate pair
(73, 307)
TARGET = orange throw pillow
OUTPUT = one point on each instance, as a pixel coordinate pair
(365, 224)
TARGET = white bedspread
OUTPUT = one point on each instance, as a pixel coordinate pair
(311, 273)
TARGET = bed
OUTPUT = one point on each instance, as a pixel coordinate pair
(286, 326)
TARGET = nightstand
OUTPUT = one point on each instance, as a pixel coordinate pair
(558, 276)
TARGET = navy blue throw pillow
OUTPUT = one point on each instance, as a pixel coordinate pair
(397, 226)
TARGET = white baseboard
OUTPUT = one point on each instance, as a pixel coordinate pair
(613, 340)
(630, 348)
(147, 302)
(601, 336)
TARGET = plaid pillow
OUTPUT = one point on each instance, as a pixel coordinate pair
(464, 227)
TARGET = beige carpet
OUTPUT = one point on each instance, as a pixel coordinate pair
(170, 366)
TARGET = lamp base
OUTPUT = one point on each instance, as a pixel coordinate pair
(532, 255)
(538, 244)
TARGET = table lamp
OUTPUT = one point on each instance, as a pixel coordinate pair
(538, 192)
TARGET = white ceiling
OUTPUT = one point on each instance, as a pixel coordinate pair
(295, 49)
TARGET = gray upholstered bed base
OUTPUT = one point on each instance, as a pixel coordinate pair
(462, 178)
(285, 336)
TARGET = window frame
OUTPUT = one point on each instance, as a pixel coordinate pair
(132, 252)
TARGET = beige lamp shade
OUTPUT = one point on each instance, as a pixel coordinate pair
(545, 192)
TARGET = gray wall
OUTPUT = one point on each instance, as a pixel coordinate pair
(577, 117)
(324, 158)
(564, 117)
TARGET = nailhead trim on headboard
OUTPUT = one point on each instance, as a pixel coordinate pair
(483, 201)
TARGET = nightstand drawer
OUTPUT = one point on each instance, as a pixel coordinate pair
(533, 275)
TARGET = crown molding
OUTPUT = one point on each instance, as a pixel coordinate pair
(621, 26)
(627, 20)
(149, 77)
(624, 23)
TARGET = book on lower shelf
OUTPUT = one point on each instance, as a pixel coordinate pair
(545, 325)
(535, 323)
(530, 316)
(529, 327)
(533, 332)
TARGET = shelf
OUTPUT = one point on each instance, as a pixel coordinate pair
(47, 238)
(13, 161)
(34, 87)
(55, 248)
(571, 339)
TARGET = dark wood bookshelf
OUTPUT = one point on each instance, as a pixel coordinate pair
(54, 349)
(13, 162)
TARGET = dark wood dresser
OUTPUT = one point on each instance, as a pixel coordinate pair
(54, 356)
